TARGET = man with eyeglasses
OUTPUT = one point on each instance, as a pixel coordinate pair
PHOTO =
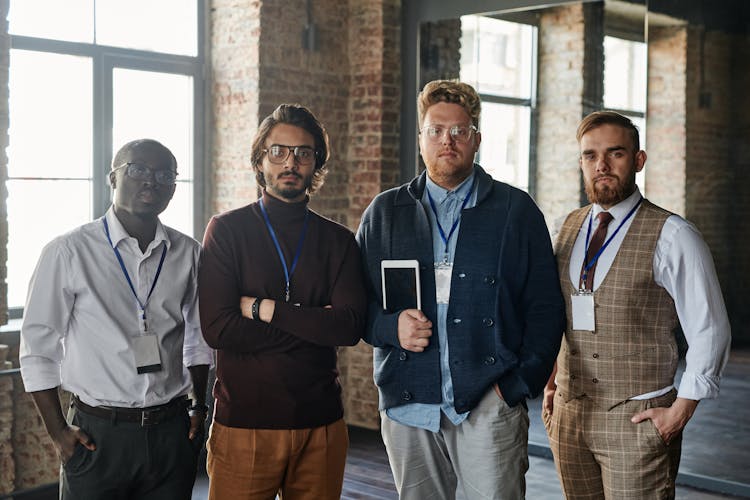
(454, 376)
(280, 289)
(112, 317)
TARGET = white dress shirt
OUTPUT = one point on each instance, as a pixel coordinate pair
(684, 268)
(81, 316)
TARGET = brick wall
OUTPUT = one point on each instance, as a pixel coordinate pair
(439, 50)
(350, 80)
(666, 137)
(562, 36)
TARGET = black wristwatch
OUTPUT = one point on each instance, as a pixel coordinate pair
(256, 309)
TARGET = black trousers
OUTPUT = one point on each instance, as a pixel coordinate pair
(156, 462)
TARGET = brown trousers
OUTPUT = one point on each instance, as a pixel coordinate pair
(256, 464)
(602, 454)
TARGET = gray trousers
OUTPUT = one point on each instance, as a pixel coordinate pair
(131, 462)
(484, 457)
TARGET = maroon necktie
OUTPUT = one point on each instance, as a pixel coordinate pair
(597, 240)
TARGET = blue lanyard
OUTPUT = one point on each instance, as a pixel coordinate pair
(445, 238)
(142, 305)
(588, 265)
(287, 272)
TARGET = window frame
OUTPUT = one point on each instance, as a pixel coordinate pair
(105, 59)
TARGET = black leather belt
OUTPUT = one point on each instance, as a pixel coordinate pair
(152, 415)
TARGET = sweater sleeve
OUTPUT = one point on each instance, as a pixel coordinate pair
(338, 325)
(222, 322)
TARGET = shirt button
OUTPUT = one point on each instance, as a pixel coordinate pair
(595, 380)
(595, 355)
(456, 320)
(488, 322)
(402, 356)
(406, 396)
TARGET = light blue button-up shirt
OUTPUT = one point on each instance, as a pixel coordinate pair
(448, 208)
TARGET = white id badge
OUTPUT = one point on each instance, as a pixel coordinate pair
(583, 311)
(146, 353)
(443, 273)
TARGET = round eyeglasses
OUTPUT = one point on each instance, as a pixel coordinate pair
(278, 154)
(435, 133)
(141, 172)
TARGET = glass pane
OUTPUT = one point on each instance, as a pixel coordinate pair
(50, 126)
(496, 56)
(624, 74)
(171, 26)
(158, 106)
(71, 20)
(640, 177)
(179, 213)
(504, 152)
(29, 205)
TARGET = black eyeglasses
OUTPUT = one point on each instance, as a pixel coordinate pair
(141, 172)
(278, 153)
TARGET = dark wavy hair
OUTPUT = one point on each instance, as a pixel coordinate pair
(299, 116)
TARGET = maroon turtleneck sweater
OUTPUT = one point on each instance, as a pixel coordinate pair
(282, 374)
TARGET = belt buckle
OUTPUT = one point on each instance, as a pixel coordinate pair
(147, 417)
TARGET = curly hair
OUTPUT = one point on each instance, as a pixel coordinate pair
(451, 91)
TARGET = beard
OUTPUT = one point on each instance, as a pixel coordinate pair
(288, 192)
(608, 195)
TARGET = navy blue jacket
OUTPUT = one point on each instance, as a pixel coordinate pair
(506, 313)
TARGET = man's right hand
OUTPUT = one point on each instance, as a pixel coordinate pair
(548, 400)
(66, 440)
(414, 330)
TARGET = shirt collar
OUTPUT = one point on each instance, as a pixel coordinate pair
(439, 194)
(622, 209)
(118, 233)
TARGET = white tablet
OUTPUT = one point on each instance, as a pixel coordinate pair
(401, 288)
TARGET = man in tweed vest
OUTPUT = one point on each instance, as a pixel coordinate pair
(612, 413)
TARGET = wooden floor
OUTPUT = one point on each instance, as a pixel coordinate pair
(367, 474)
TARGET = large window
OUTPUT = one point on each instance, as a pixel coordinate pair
(86, 76)
(498, 59)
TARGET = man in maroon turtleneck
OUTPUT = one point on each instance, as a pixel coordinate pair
(280, 288)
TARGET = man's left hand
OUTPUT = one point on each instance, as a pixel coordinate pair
(669, 422)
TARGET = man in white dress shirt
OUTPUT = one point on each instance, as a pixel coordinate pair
(112, 317)
(631, 272)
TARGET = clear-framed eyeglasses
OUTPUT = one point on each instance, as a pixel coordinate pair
(278, 154)
(458, 133)
(141, 172)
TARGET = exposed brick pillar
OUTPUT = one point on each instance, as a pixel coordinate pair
(439, 51)
(569, 86)
(666, 135)
(235, 34)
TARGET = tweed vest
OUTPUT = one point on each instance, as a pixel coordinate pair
(632, 350)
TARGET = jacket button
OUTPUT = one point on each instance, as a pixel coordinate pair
(402, 356)
(572, 377)
(595, 380)
(406, 396)
(462, 275)
(488, 322)
(489, 360)
(456, 320)
(595, 355)
(573, 352)
(489, 280)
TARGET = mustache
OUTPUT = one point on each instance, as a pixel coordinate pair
(288, 173)
(605, 176)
